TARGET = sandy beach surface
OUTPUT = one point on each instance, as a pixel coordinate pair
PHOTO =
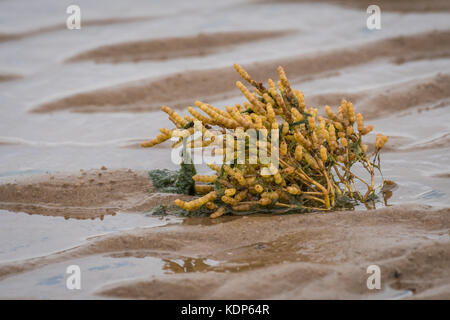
(74, 187)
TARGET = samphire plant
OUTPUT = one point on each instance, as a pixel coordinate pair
(315, 153)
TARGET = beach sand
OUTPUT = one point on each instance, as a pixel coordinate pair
(79, 106)
(317, 255)
(172, 48)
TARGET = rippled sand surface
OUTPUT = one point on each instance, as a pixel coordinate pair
(73, 183)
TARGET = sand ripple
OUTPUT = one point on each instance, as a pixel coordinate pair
(170, 48)
(183, 89)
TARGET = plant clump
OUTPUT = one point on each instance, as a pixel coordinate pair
(314, 153)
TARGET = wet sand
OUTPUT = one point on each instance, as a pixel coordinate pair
(317, 255)
(51, 220)
(172, 48)
(182, 89)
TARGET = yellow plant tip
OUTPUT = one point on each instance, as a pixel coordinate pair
(312, 123)
(298, 153)
(200, 117)
(296, 114)
(349, 130)
(242, 207)
(283, 148)
(214, 167)
(159, 139)
(258, 106)
(285, 128)
(230, 192)
(179, 203)
(277, 178)
(301, 99)
(229, 200)
(219, 212)
(165, 131)
(380, 141)
(288, 170)
(366, 130)
(210, 205)
(351, 112)
(251, 181)
(293, 190)
(241, 195)
(271, 195)
(205, 178)
(360, 122)
(302, 140)
(313, 111)
(323, 153)
(258, 92)
(259, 188)
(203, 188)
(270, 112)
(240, 178)
(265, 201)
(176, 118)
(268, 99)
(243, 73)
(311, 161)
(330, 113)
(339, 126)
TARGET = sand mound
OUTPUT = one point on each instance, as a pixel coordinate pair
(87, 195)
(319, 255)
(182, 89)
(385, 5)
(8, 77)
(305, 256)
(170, 48)
(442, 175)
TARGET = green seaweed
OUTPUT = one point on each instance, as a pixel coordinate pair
(164, 180)
(174, 181)
(184, 183)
